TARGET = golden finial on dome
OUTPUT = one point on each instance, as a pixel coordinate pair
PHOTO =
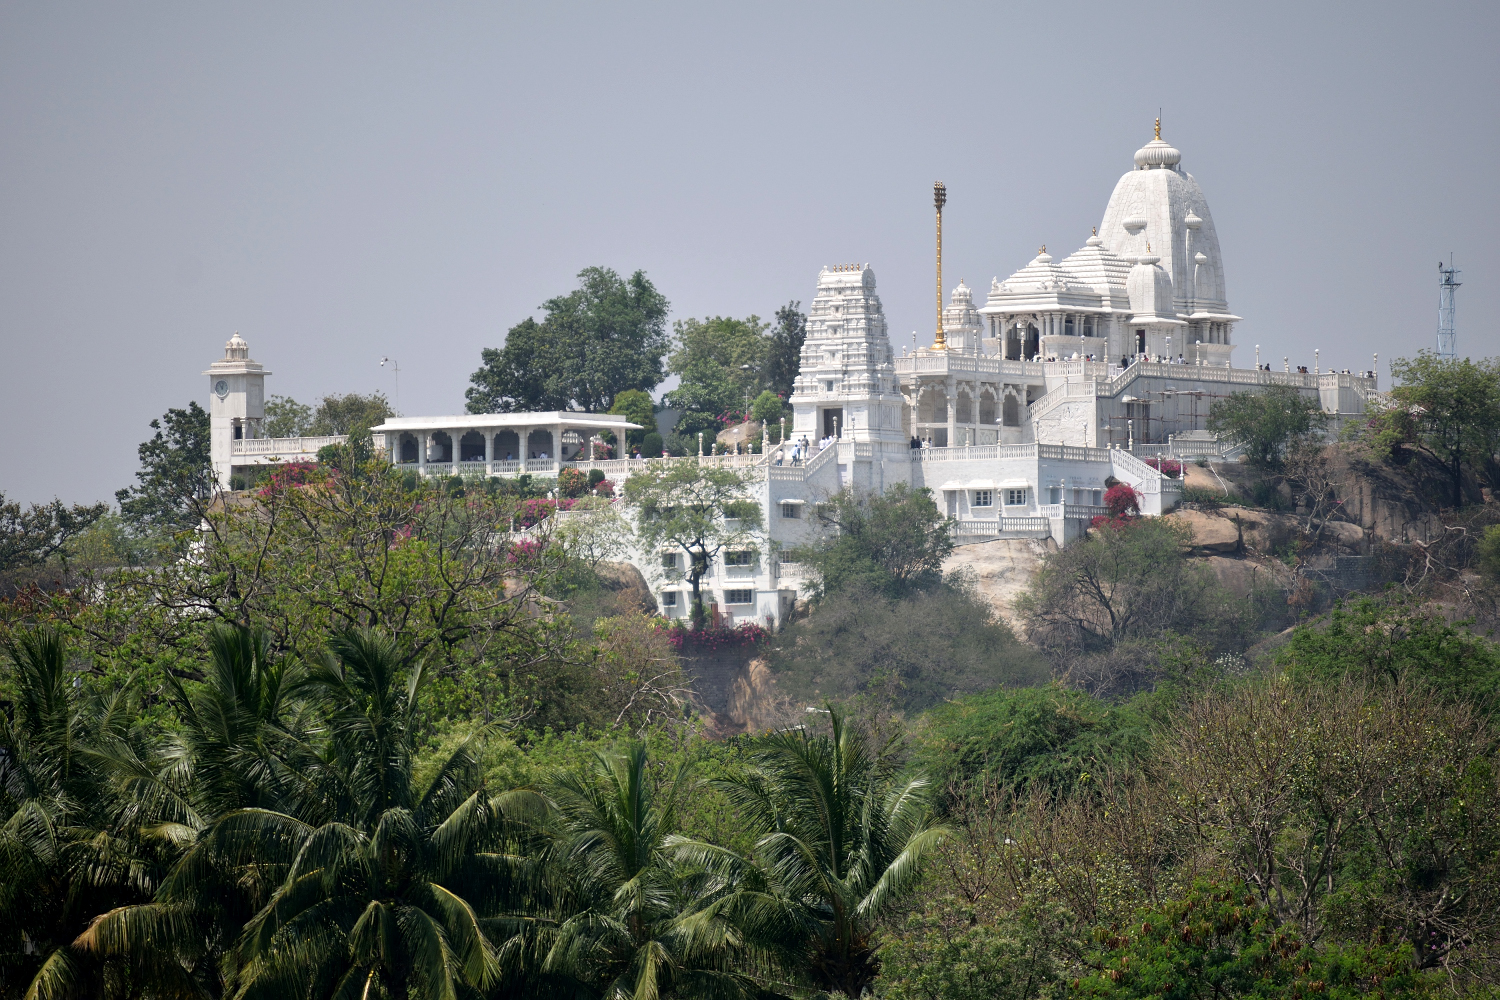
(1148, 246)
(1042, 250)
(1095, 229)
(1158, 128)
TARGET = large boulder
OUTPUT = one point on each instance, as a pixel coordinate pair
(1001, 569)
(1211, 532)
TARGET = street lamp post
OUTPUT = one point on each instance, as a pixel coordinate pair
(397, 369)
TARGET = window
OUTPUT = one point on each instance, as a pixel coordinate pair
(791, 510)
(743, 558)
(788, 557)
(1015, 498)
(669, 560)
(828, 385)
(669, 599)
(983, 498)
(739, 597)
(1098, 500)
(1054, 494)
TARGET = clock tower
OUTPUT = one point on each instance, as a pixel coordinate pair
(236, 404)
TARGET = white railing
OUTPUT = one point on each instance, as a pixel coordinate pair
(1062, 394)
(1001, 526)
(1233, 376)
(283, 447)
(1073, 453)
(1129, 466)
(977, 453)
(819, 460)
(959, 363)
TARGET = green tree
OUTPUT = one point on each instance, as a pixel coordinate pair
(69, 847)
(637, 407)
(1127, 581)
(1218, 942)
(1053, 737)
(842, 834)
(1449, 410)
(1268, 423)
(379, 884)
(176, 475)
(1392, 639)
(285, 417)
(784, 355)
(701, 510)
(605, 337)
(909, 653)
(635, 922)
(1489, 553)
(720, 363)
(30, 536)
(769, 408)
(350, 414)
(892, 543)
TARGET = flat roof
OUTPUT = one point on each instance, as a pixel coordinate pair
(486, 421)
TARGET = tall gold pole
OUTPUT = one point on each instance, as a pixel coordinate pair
(939, 197)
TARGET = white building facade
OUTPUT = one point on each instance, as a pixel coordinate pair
(1071, 376)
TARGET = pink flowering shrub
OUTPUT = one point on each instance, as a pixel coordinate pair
(604, 488)
(1166, 466)
(533, 512)
(602, 451)
(1124, 503)
(572, 483)
(295, 474)
(525, 552)
(714, 636)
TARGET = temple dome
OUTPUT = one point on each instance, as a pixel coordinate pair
(1165, 209)
(1157, 153)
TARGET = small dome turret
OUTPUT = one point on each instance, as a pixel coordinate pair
(1150, 289)
(236, 347)
(1157, 153)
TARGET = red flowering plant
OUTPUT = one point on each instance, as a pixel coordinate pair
(530, 513)
(572, 483)
(526, 552)
(715, 635)
(1166, 466)
(1123, 503)
(602, 450)
(733, 418)
(604, 488)
(296, 474)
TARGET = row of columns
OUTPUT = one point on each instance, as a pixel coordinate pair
(950, 386)
(523, 437)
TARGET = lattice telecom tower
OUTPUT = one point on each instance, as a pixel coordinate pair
(1447, 344)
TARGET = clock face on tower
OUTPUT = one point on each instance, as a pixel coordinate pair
(221, 387)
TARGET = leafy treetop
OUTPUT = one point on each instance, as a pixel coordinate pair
(603, 338)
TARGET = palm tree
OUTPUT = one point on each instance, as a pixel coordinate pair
(842, 834)
(70, 847)
(365, 885)
(634, 922)
(242, 743)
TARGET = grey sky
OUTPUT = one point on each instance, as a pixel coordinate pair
(342, 182)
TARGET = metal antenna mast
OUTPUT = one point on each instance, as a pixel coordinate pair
(1447, 341)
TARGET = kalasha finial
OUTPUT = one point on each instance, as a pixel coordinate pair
(939, 195)
(1148, 246)
(1158, 128)
(1042, 250)
(1095, 229)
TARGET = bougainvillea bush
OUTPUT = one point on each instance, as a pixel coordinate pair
(1123, 503)
(295, 474)
(572, 483)
(1166, 466)
(714, 636)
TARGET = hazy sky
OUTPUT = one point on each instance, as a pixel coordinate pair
(343, 182)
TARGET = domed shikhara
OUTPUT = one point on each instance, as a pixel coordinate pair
(1160, 204)
(1081, 305)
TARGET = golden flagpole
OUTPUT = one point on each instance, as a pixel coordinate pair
(939, 197)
